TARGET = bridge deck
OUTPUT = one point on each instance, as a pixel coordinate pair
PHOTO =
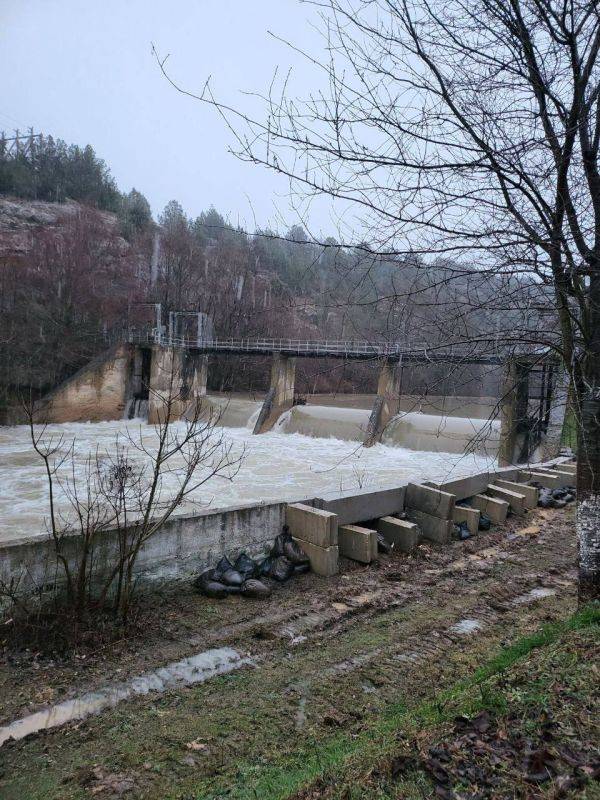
(484, 352)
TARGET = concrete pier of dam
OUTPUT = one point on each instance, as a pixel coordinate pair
(150, 376)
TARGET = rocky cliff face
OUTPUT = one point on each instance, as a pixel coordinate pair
(21, 220)
(67, 278)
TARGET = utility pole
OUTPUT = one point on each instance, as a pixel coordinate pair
(19, 144)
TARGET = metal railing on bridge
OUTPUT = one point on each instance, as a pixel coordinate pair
(483, 351)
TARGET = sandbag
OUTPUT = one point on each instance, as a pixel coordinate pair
(255, 588)
(264, 567)
(281, 569)
(219, 590)
(278, 548)
(222, 567)
(383, 546)
(246, 566)
(485, 523)
(461, 531)
(206, 577)
(232, 577)
(294, 553)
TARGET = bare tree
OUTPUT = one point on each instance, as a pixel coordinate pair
(468, 129)
(128, 492)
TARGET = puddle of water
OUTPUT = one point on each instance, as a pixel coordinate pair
(363, 599)
(341, 607)
(408, 658)
(467, 626)
(353, 663)
(195, 669)
(534, 594)
(301, 714)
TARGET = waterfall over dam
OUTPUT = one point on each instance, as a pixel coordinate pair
(442, 430)
(313, 449)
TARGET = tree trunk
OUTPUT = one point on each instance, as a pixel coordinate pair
(588, 500)
(588, 453)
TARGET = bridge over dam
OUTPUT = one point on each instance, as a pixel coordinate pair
(136, 377)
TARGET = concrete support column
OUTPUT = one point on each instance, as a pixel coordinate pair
(387, 402)
(177, 376)
(280, 396)
(513, 412)
(559, 401)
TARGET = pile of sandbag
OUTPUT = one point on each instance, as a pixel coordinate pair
(555, 498)
(252, 578)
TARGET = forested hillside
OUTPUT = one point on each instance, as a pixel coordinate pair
(80, 260)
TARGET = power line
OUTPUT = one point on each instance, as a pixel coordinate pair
(20, 143)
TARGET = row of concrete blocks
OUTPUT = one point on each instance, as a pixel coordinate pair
(430, 514)
(518, 496)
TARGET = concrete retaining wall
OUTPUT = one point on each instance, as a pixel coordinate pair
(187, 545)
(97, 392)
(182, 548)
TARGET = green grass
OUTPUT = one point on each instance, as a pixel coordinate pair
(329, 761)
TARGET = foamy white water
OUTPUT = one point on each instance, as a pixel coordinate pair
(276, 467)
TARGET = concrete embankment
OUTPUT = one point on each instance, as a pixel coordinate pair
(184, 546)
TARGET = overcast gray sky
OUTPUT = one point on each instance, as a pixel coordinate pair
(82, 70)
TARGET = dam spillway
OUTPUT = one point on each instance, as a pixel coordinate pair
(282, 465)
(447, 425)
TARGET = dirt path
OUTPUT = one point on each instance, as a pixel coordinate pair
(330, 654)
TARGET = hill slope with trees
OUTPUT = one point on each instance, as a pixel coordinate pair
(80, 260)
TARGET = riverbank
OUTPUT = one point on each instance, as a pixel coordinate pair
(331, 656)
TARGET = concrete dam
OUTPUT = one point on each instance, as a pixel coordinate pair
(419, 425)
(305, 450)
(133, 382)
(290, 450)
(359, 451)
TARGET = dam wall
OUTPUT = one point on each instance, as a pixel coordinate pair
(96, 393)
(186, 545)
(411, 430)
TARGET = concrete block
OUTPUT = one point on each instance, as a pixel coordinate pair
(358, 506)
(466, 487)
(312, 524)
(432, 528)
(530, 493)
(374, 547)
(323, 560)
(400, 533)
(359, 544)
(546, 479)
(493, 507)
(566, 468)
(468, 515)
(565, 478)
(515, 500)
(431, 501)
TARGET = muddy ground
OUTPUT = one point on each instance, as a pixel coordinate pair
(330, 655)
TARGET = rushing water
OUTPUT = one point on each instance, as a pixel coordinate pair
(276, 466)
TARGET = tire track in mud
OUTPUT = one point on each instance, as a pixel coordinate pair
(532, 569)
